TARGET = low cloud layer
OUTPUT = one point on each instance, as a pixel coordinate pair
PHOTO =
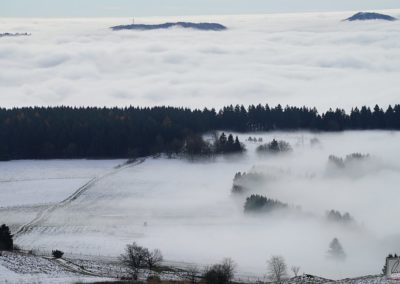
(296, 59)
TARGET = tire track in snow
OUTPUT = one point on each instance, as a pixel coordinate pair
(48, 211)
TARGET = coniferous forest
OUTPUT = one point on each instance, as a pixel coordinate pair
(67, 132)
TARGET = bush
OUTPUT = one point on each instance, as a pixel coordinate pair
(153, 279)
(6, 240)
(57, 253)
(220, 273)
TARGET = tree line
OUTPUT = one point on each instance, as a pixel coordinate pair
(91, 132)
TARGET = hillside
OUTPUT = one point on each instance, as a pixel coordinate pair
(366, 16)
(186, 25)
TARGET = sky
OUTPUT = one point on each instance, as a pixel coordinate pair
(114, 8)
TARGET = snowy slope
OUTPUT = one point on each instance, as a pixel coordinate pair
(29, 187)
(21, 268)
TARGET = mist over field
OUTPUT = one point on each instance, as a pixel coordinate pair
(312, 59)
(193, 216)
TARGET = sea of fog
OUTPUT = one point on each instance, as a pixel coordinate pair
(313, 59)
(185, 207)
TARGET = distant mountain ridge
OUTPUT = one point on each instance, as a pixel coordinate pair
(13, 34)
(365, 16)
(197, 26)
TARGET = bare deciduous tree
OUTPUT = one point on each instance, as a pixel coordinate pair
(295, 270)
(277, 269)
(154, 259)
(134, 259)
(229, 267)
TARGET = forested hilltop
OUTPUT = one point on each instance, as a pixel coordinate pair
(67, 132)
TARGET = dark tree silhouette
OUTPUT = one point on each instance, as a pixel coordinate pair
(6, 240)
(228, 145)
(154, 259)
(222, 273)
(336, 251)
(276, 269)
(134, 259)
(258, 203)
(275, 146)
(57, 253)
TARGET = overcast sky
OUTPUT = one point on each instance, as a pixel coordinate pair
(103, 8)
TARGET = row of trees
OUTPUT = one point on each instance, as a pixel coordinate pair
(275, 146)
(351, 158)
(67, 132)
(336, 216)
(137, 258)
(195, 145)
(260, 204)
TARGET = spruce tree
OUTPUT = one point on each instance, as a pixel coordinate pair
(336, 250)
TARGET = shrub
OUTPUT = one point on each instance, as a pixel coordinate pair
(57, 253)
(220, 273)
(153, 279)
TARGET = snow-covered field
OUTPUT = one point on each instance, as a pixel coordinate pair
(29, 187)
(314, 59)
(21, 269)
(192, 216)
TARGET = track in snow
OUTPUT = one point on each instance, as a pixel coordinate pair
(48, 211)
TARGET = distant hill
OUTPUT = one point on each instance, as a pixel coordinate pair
(365, 16)
(197, 26)
(13, 34)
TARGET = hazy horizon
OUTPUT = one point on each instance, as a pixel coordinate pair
(88, 8)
